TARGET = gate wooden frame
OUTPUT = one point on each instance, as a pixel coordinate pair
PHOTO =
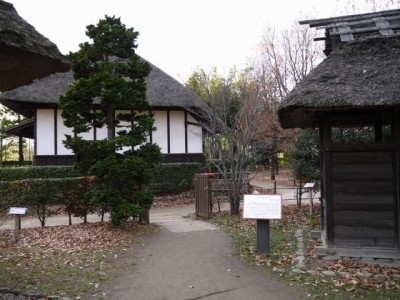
(202, 195)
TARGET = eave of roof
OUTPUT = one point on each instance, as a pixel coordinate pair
(357, 75)
(25, 54)
(162, 91)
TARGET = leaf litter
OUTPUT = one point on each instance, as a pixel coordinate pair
(63, 259)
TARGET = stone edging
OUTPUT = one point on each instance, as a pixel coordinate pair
(8, 294)
(300, 267)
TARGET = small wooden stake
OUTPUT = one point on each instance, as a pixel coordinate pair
(17, 227)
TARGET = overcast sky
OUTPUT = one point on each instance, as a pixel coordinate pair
(180, 35)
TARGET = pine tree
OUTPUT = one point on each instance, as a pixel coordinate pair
(110, 76)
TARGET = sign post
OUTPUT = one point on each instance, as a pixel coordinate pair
(17, 212)
(262, 208)
(310, 187)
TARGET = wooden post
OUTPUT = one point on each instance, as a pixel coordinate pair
(17, 228)
(310, 187)
(263, 237)
(17, 212)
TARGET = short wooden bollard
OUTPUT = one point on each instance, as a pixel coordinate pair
(310, 187)
(17, 212)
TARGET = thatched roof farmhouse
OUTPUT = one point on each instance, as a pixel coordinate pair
(25, 54)
(163, 91)
(179, 133)
(33, 75)
(356, 90)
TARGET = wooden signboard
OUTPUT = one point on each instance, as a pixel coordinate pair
(264, 207)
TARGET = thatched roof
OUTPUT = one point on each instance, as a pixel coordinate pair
(163, 91)
(359, 74)
(356, 27)
(25, 54)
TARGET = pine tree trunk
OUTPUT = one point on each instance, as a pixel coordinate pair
(110, 124)
(1, 152)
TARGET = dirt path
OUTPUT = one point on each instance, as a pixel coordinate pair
(191, 259)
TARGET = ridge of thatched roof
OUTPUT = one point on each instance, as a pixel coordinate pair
(361, 74)
(162, 91)
(356, 27)
(25, 54)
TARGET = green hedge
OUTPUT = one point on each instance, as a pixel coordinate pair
(29, 192)
(21, 173)
(15, 163)
(39, 194)
(174, 178)
(168, 178)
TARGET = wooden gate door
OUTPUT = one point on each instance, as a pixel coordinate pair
(202, 195)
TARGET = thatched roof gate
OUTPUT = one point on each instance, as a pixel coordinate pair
(355, 89)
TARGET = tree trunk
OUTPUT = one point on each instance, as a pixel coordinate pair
(1, 152)
(273, 157)
(234, 196)
(273, 167)
(20, 151)
(110, 124)
(276, 165)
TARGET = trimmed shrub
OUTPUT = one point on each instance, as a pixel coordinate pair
(39, 194)
(15, 163)
(36, 172)
(30, 187)
(173, 178)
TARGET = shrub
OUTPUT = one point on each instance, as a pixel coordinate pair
(15, 163)
(10, 194)
(36, 172)
(119, 186)
(76, 197)
(38, 194)
(172, 178)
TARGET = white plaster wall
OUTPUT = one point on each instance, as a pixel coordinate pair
(45, 132)
(62, 130)
(124, 126)
(160, 135)
(101, 133)
(191, 119)
(195, 139)
(195, 136)
(177, 131)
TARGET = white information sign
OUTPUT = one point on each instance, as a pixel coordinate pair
(17, 211)
(262, 207)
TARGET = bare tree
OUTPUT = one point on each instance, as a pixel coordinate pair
(232, 115)
(367, 6)
(284, 59)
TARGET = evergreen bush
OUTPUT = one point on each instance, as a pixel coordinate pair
(36, 172)
(173, 178)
